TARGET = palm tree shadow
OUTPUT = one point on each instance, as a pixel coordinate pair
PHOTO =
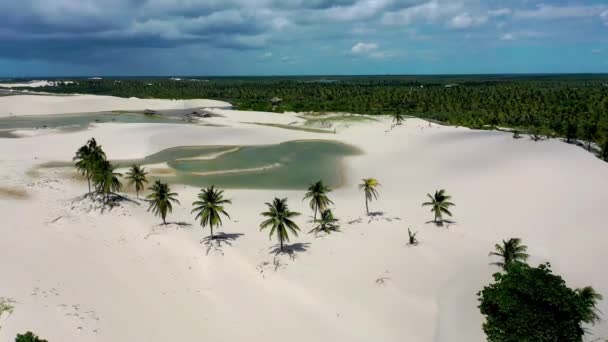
(375, 213)
(447, 223)
(219, 240)
(291, 250)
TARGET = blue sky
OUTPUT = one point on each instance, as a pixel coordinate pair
(292, 37)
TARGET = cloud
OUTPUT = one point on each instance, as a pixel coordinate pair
(522, 35)
(465, 20)
(549, 12)
(427, 12)
(362, 48)
(370, 50)
(604, 17)
(501, 12)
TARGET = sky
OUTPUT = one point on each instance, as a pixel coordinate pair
(301, 37)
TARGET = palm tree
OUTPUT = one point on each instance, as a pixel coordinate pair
(317, 193)
(511, 251)
(280, 220)
(209, 207)
(160, 199)
(327, 223)
(439, 205)
(398, 118)
(87, 158)
(137, 175)
(105, 179)
(369, 187)
(589, 298)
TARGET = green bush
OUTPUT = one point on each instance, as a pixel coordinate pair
(28, 337)
(532, 304)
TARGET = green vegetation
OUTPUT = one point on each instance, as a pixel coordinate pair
(511, 251)
(209, 206)
(369, 186)
(317, 193)
(137, 175)
(91, 162)
(440, 205)
(87, 158)
(280, 220)
(28, 337)
(531, 304)
(327, 223)
(567, 105)
(161, 200)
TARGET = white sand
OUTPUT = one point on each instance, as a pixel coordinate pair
(119, 276)
(33, 84)
(56, 104)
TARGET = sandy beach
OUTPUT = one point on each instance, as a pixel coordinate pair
(78, 274)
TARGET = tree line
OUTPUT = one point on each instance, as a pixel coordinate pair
(571, 106)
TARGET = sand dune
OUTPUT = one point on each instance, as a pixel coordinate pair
(80, 275)
(53, 104)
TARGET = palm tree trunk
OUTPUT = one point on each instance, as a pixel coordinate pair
(316, 206)
(164, 222)
(89, 182)
(366, 207)
(281, 242)
(137, 193)
(211, 226)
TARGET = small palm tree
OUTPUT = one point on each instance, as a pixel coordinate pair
(398, 118)
(106, 179)
(413, 240)
(137, 175)
(317, 193)
(161, 199)
(327, 223)
(589, 299)
(280, 220)
(511, 251)
(369, 186)
(209, 207)
(440, 205)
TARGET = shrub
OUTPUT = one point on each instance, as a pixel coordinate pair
(532, 304)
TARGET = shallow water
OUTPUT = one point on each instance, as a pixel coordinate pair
(72, 122)
(289, 165)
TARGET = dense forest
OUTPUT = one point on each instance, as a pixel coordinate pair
(572, 106)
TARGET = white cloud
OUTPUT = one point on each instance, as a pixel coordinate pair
(430, 11)
(523, 35)
(604, 17)
(507, 36)
(501, 12)
(549, 12)
(465, 20)
(370, 50)
(363, 48)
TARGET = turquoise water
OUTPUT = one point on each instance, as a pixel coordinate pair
(74, 122)
(289, 165)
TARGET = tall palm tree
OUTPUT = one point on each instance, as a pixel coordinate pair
(589, 298)
(369, 186)
(317, 193)
(106, 179)
(327, 223)
(137, 175)
(87, 158)
(161, 199)
(209, 207)
(511, 251)
(439, 204)
(280, 220)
